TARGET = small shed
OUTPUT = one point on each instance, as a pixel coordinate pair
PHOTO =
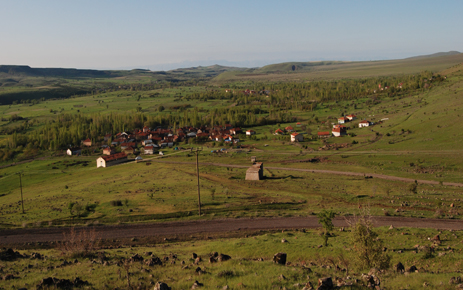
(255, 172)
(253, 159)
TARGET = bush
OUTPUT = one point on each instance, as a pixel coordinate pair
(79, 244)
(367, 245)
(116, 202)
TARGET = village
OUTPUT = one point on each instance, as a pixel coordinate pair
(116, 149)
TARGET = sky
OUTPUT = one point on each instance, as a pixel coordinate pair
(163, 35)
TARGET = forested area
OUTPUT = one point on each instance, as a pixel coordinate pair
(272, 103)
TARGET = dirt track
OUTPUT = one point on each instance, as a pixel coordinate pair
(381, 176)
(170, 229)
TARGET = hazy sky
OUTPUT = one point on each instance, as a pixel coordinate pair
(166, 34)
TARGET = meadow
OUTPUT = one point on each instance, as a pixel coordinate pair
(124, 262)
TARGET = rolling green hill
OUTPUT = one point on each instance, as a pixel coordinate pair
(326, 70)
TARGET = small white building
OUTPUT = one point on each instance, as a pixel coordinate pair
(250, 132)
(74, 151)
(110, 160)
(364, 123)
(296, 137)
(342, 120)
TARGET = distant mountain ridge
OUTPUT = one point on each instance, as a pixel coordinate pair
(437, 54)
(198, 71)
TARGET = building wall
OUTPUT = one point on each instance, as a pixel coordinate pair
(253, 175)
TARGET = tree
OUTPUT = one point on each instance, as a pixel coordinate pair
(413, 187)
(325, 218)
(367, 245)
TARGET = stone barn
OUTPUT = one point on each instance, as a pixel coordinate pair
(255, 172)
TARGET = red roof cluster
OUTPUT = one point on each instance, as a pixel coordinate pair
(114, 156)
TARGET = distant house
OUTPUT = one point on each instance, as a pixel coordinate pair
(108, 151)
(296, 137)
(148, 150)
(235, 131)
(110, 160)
(87, 142)
(129, 150)
(255, 172)
(339, 130)
(74, 151)
(351, 117)
(289, 129)
(364, 123)
(279, 132)
(324, 134)
(298, 124)
(147, 142)
(250, 132)
(342, 120)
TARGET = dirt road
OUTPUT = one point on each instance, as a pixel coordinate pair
(170, 229)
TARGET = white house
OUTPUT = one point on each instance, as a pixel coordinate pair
(250, 132)
(338, 131)
(110, 160)
(74, 151)
(342, 120)
(364, 123)
(296, 137)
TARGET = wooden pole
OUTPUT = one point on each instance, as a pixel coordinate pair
(197, 174)
(21, 186)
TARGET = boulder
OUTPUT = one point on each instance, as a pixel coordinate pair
(399, 267)
(308, 286)
(279, 258)
(161, 286)
(197, 285)
(325, 283)
(197, 260)
(412, 269)
(153, 261)
(223, 258)
(455, 280)
(137, 258)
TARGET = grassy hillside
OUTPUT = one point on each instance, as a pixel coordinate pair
(338, 70)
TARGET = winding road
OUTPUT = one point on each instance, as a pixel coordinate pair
(170, 229)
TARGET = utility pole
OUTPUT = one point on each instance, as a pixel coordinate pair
(21, 186)
(197, 174)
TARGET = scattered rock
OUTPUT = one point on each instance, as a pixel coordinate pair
(281, 277)
(223, 258)
(153, 261)
(197, 260)
(399, 267)
(325, 283)
(412, 269)
(161, 286)
(9, 255)
(137, 258)
(455, 280)
(194, 256)
(308, 286)
(9, 277)
(280, 258)
(284, 241)
(196, 285)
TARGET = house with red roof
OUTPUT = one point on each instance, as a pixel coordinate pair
(324, 134)
(250, 132)
(342, 120)
(351, 117)
(339, 130)
(110, 160)
(289, 129)
(87, 142)
(279, 132)
(364, 123)
(296, 137)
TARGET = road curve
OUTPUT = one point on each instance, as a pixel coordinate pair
(168, 229)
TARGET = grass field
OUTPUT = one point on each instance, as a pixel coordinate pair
(251, 262)
(418, 139)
